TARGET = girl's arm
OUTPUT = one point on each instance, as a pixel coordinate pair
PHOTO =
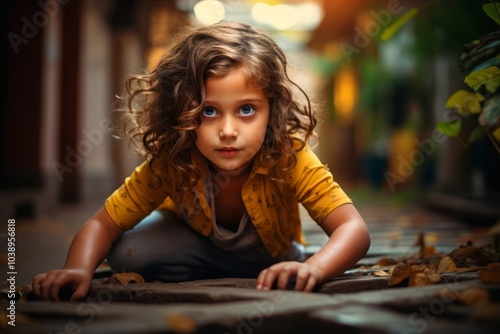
(348, 242)
(88, 249)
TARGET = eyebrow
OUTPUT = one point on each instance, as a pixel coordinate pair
(244, 100)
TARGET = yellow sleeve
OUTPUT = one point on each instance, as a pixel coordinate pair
(315, 187)
(137, 197)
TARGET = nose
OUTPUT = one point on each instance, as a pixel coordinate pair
(228, 128)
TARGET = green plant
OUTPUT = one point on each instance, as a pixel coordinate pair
(481, 105)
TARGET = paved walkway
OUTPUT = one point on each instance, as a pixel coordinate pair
(354, 301)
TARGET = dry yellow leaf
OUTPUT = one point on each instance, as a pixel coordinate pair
(418, 268)
(418, 279)
(494, 266)
(468, 269)
(474, 296)
(180, 323)
(448, 294)
(433, 266)
(446, 265)
(430, 271)
(428, 250)
(399, 273)
(386, 261)
(422, 279)
(420, 241)
(432, 237)
(381, 273)
(467, 255)
(125, 278)
(490, 276)
(465, 102)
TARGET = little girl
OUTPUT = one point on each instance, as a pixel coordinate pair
(227, 162)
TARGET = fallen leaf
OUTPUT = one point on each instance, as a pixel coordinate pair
(473, 296)
(180, 323)
(418, 268)
(493, 266)
(446, 265)
(433, 267)
(125, 278)
(468, 269)
(432, 237)
(381, 273)
(448, 294)
(386, 261)
(490, 276)
(20, 292)
(399, 273)
(423, 279)
(467, 255)
(428, 250)
(420, 241)
(424, 249)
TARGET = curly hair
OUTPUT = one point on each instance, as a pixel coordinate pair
(164, 106)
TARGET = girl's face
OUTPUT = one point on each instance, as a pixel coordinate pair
(233, 122)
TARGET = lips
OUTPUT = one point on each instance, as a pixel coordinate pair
(228, 150)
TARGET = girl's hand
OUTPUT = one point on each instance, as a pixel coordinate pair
(48, 285)
(307, 276)
(88, 249)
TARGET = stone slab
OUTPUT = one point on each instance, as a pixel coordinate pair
(230, 306)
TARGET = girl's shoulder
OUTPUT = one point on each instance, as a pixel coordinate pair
(306, 158)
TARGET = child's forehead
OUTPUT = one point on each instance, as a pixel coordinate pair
(253, 75)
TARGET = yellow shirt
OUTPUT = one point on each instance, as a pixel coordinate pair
(272, 206)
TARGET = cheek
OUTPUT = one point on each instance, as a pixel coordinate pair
(259, 134)
(268, 134)
(200, 132)
(198, 137)
(265, 128)
(263, 133)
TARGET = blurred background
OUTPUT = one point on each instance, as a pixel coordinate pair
(382, 71)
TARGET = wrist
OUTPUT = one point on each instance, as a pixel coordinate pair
(315, 267)
(80, 271)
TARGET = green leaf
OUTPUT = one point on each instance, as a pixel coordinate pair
(478, 133)
(489, 76)
(492, 12)
(451, 129)
(393, 28)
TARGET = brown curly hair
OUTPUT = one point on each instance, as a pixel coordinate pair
(164, 106)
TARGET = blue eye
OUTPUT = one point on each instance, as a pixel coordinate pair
(209, 112)
(247, 110)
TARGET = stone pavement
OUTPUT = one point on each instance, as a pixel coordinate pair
(358, 301)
